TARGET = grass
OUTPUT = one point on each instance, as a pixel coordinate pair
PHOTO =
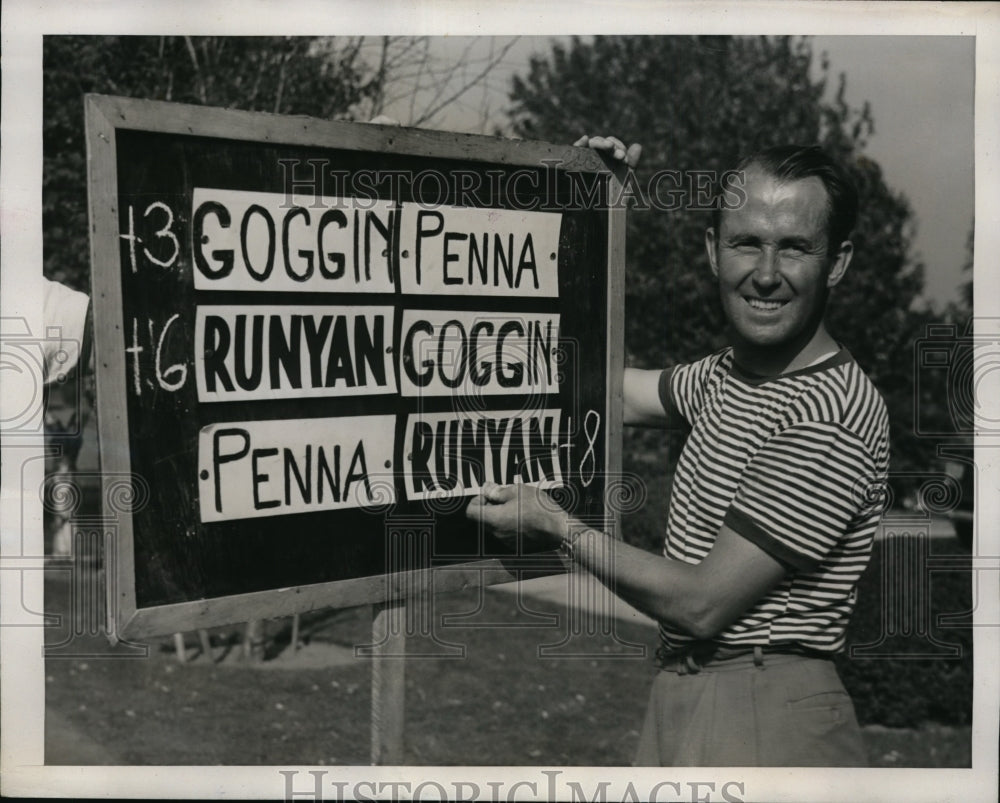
(500, 703)
(930, 745)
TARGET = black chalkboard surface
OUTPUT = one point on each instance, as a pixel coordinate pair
(316, 340)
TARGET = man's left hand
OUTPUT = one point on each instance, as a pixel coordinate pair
(613, 147)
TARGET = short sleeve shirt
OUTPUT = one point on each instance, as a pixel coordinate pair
(796, 464)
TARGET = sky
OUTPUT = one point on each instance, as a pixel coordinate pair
(921, 89)
(921, 92)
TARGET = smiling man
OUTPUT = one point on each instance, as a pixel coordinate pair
(773, 506)
(778, 254)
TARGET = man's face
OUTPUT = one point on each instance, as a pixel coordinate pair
(772, 260)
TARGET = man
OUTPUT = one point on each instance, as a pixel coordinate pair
(772, 512)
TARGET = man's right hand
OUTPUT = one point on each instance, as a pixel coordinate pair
(614, 148)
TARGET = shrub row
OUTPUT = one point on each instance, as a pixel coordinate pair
(909, 646)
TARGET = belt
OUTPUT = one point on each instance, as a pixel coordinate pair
(692, 658)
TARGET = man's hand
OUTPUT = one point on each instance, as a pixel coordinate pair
(614, 148)
(519, 508)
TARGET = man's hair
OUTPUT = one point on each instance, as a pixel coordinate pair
(793, 162)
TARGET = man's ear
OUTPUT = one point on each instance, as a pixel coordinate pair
(840, 263)
(711, 247)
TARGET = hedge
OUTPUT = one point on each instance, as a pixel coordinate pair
(900, 680)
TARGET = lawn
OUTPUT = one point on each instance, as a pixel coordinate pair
(495, 701)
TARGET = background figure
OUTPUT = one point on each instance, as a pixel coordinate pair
(68, 395)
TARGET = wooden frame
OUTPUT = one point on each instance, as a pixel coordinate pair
(105, 116)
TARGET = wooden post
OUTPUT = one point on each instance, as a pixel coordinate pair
(206, 644)
(253, 641)
(388, 681)
(179, 647)
(295, 633)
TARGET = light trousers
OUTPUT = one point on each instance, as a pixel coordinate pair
(764, 710)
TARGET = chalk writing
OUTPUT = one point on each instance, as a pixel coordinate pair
(170, 377)
(178, 369)
(165, 232)
(588, 463)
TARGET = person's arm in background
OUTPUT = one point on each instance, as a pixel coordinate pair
(67, 366)
(67, 312)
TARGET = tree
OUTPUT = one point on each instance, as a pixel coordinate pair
(417, 82)
(697, 104)
(279, 74)
(345, 78)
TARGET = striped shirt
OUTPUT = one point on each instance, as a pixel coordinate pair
(794, 463)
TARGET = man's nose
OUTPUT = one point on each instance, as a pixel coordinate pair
(766, 275)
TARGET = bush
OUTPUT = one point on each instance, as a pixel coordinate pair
(645, 466)
(898, 665)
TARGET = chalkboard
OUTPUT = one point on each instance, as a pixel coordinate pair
(315, 340)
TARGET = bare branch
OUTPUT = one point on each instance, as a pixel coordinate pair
(420, 72)
(468, 84)
(281, 80)
(199, 78)
(442, 85)
(255, 90)
(378, 103)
